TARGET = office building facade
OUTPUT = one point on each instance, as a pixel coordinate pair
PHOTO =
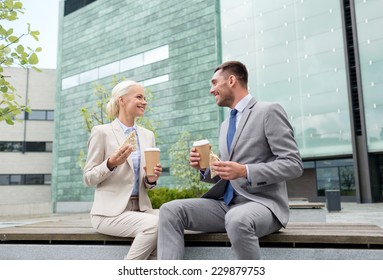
(26, 146)
(319, 59)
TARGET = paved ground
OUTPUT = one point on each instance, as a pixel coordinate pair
(366, 213)
(370, 213)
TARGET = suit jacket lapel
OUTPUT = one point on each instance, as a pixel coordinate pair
(118, 132)
(245, 116)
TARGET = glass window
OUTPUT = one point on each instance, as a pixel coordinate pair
(36, 115)
(309, 164)
(327, 179)
(156, 80)
(35, 146)
(157, 54)
(89, 76)
(132, 62)
(380, 172)
(108, 70)
(4, 179)
(347, 181)
(28, 179)
(47, 179)
(11, 146)
(335, 174)
(369, 20)
(71, 81)
(16, 179)
(34, 179)
(50, 115)
(48, 146)
(74, 5)
(297, 60)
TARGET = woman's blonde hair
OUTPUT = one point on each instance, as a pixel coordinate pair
(122, 88)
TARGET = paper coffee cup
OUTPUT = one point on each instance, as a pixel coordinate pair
(152, 158)
(203, 148)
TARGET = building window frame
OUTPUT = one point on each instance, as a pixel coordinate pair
(25, 179)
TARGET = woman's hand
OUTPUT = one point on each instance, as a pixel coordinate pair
(119, 156)
(157, 173)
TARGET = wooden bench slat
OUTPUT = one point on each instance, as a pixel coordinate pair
(79, 229)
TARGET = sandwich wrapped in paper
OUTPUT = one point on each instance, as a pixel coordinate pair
(213, 158)
(130, 140)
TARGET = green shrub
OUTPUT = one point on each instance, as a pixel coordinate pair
(161, 195)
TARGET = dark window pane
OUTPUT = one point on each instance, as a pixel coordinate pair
(309, 164)
(327, 179)
(74, 5)
(347, 181)
(34, 179)
(35, 146)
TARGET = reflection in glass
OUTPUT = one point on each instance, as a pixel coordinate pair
(335, 175)
(295, 55)
(369, 20)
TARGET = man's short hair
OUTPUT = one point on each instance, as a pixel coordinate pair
(236, 68)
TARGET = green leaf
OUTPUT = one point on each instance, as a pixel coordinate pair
(20, 49)
(37, 69)
(35, 35)
(9, 121)
(33, 59)
(18, 5)
(13, 39)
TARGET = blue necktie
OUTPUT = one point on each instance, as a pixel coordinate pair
(229, 191)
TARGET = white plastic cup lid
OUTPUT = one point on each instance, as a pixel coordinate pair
(152, 150)
(201, 142)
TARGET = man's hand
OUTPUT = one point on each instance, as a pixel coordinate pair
(229, 170)
(194, 159)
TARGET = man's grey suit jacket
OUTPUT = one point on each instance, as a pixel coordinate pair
(264, 141)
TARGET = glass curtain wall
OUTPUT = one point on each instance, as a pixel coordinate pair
(369, 19)
(294, 51)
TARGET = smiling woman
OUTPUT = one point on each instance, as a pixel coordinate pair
(121, 204)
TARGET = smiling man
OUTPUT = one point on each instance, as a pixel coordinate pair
(249, 197)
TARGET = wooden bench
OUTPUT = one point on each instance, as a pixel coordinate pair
(76, 229)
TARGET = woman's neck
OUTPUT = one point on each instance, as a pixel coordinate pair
(126, 120)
